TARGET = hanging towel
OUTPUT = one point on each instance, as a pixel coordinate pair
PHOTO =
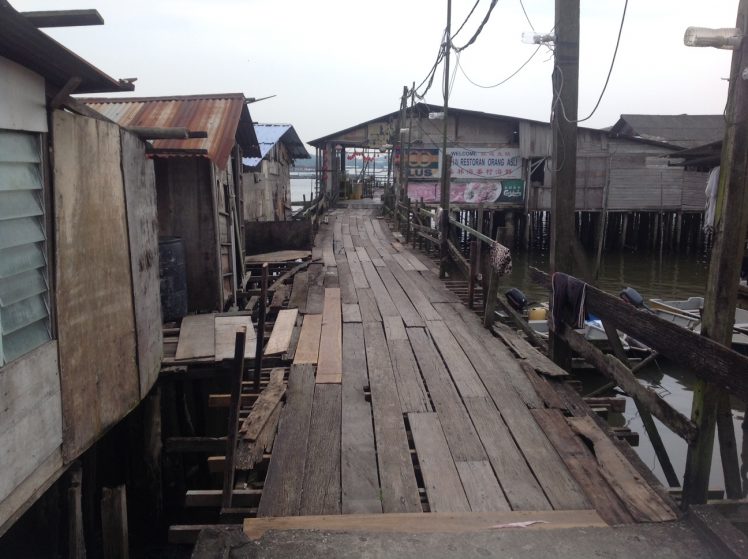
(712, 185)
(501, 259)
(568, 295)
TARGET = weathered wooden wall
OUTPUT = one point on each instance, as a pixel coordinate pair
(186, 210)
(142, 227)
(30, 428)
(267, 191)
(97, 346)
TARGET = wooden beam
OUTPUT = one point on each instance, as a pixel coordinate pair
(617, 371)
(65, 92)
(161, 133)
(64, 18)
(706, 358)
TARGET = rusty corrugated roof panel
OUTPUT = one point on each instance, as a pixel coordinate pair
(23, 43)
(224, 117)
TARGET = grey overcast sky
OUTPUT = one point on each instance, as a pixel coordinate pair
(335, 63)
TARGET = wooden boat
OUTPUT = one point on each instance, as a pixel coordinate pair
(687, 313)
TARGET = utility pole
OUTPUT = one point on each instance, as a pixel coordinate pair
(563, 123)
(443, 248)
(711, 405)
(404, 169)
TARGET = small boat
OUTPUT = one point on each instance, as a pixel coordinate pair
(687, 313)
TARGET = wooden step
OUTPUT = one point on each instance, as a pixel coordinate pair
(421, 523)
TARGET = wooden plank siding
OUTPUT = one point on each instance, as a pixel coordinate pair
(98, 356)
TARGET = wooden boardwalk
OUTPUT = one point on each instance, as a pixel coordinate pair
(399, 401)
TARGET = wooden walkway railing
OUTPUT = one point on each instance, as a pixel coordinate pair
(706, 359)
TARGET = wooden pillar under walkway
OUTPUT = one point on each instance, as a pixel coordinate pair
(711, 405)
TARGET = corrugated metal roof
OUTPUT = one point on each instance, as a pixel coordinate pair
(224, 117)
(23, 43)
(270, 134)
(685, 131)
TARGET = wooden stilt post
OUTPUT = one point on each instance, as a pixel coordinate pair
(76, 537)
(444, 225)
(563, 193)
(261, 326)
(114, 532)
(237, 374)
(491, 293)
(731, 222)
(473, 272)
(407, 220)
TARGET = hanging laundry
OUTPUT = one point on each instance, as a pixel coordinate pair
(568, 295)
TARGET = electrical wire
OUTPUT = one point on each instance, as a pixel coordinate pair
(466, 19)
(522, 4)
(607, 79)
(432, 72)
(502, 82)
(480, 27)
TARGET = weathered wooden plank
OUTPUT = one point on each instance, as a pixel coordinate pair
(487, 354)
(463, 374)
(316, 291)
(330, 364)
(347, 287)
(226, 328)
(410, 387)
(30, 426)
(142, 228)
(368, 306)
(351, 313)
(397, 478)
(321, 487)
(480, 485)
(197, 337)
(414, 261)
(583, 466)
(363, 255)
(249, 453)
(515, 476)
(384, 301)
(416, 292)
(264, 406)
(403, 262)
(359, 479)
(307, 350)
(458, 429)
(299, 292)
(642, 502)
(315, 299)
(426, 523)
(441, 480)
(281, 494)
(411, 317)
(280, 338)
(94, 304)
(359, 278)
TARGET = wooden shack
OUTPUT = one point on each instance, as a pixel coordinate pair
(267, 179)
(80, 335)
(504, 163)
(198, 183)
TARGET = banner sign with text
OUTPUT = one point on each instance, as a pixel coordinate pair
(485, 163)
(423, 163)
(510, 191)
